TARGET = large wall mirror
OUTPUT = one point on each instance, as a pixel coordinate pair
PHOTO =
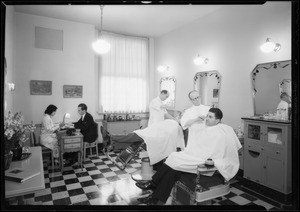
(169, 84)
(266, 78)
(208, 84)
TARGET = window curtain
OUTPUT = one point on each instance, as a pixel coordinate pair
(124, 75)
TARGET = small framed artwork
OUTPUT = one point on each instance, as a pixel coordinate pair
(72, 91)
(215, 93)
(40, 87)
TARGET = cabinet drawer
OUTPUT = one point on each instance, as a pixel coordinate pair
(72, 146)
(275, 152)
(71, 140)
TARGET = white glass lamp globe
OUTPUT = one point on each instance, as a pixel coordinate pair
(101, 46)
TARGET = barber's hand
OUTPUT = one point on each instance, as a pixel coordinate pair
(163, 107)
(61, 125)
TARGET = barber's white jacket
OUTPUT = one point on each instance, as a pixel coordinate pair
(156, 113)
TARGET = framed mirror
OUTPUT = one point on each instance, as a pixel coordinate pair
(169, 84)
(208, 84)
(266, 78)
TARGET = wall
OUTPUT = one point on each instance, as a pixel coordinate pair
(75, 65)
(230, 38)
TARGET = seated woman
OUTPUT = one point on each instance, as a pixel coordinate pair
(48, 136)
(160, 138)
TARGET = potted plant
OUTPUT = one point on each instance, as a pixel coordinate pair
(15, 135)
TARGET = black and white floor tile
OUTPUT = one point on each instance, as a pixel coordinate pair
(100, 182)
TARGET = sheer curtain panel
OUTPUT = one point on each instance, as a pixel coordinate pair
(124, 75)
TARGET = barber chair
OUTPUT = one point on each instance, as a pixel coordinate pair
(211, 185)
(146, 172)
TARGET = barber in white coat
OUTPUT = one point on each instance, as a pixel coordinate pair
(157, 109)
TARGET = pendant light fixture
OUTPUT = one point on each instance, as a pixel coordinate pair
(101, 46)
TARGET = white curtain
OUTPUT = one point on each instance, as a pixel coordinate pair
(124, 75)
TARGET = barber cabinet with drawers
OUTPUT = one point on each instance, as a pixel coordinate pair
(121, 127)
(267, 153)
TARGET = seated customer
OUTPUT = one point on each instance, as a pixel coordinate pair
(48, 137)
(88, 129)
(160, 138)
(216, 141)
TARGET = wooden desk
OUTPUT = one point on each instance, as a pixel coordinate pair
(72, 143)
(35, 163)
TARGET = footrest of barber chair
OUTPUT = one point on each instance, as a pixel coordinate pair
(184, 189)
(126, 155)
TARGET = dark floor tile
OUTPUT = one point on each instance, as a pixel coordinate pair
(120, 172)
(105, 170)
(82, 174)
(231, 194)
(87, 183)
(68, 172)
(58, 189)
(91, 168)
(99, 163)
(93, 195)
(113, 198)
(227, 202)
(97, 176)
(47, 185)
(64, 201)
(75, 192)
(82, 203)
(27, 196)
(44, 198)
(57, 178)
(71, 181)
(113, 178)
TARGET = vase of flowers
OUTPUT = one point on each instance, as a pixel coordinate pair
(16, 133)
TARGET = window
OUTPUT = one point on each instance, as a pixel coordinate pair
(123, 77)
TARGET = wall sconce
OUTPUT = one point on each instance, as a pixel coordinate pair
(11, 86)
(162, 68)
(200, 60)
(269, 46)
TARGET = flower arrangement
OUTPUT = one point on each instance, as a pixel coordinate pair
(15, 133)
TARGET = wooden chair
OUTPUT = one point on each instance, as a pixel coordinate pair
(91, 145)
(45, 150)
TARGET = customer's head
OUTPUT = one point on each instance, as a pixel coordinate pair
(285, 97)
(82, 108)
(194, 96)
(51, 110)
(214, 117)
(164, 94)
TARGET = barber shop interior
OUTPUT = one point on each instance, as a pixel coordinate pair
(149, 105)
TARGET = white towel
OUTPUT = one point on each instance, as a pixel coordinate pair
(162, 138)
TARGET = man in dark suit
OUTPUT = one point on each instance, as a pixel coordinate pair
(88, 129)
(86, 124)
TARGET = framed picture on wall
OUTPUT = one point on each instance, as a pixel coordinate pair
(40, 87)
(72, 91)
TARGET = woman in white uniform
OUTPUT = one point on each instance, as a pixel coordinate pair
(48, 136)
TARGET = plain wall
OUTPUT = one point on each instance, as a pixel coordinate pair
(230, 38)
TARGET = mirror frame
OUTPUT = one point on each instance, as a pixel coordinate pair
(264, 66)
(210, 73)
(170, 104)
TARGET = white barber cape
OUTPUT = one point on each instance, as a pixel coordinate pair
(156, 113)
(162, 138)
(218, 142)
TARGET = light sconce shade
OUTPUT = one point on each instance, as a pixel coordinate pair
(11, 86)
(162, 68)
(101, 46)
(66, 116)
(269, 46)
(200, 60)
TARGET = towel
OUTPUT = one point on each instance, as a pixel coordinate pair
(162, 138)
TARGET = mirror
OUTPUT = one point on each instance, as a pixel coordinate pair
(208, 84)
(169, 84)
(266, 78)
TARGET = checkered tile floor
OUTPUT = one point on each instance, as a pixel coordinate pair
(100, 182)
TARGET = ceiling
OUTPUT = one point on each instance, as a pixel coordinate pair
(139, 20)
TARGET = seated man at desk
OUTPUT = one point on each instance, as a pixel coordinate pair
(215, 141)
(88, 129)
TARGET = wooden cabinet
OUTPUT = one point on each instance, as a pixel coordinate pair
(121, 127)
(267, 153)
